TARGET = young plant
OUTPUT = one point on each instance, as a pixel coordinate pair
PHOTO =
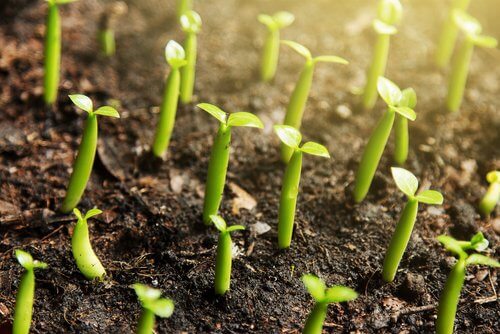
(191, 24)
(450, 295)
(322, 297)
(152, 305)
(86, 152)
(86, 260)
(183, 6)
(295, 109)
(291, 179)
(492, 196)
(270, 53)
(460, 68)
(106, 33)
(219, 158)
(398, 102)
(224, 257)
(25, 293)
(401, 136)
(408, 184)
(389, 13)
(52, 51)
(175, 55)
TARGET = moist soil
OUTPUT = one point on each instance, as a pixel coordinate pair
(151, 229)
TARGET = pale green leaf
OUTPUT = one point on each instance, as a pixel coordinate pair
(384, 28)
(406, 112)
(78, 214)
(340, 294)
(268, 21)
(493, 176)
(288, 135)
(485, 41)
(452, 245)
(482, 260)
(191, 21)
(39, 265)
(243, 118)
(300, 49)
(219, 222)
(146, 293)
(331, 59)
(408, 98)
(405, 180)
(107, 111)
(283, 19)
(235, 228)
(315, 286)
(430, 197)
(388, 91)
(315, 149)
(163, 307)
(25, 259)
(479, 242)
(174, 54)
(466, 22)
(82, 102)
(92, 212)
(214, 111)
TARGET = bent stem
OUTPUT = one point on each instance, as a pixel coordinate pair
(52, 54)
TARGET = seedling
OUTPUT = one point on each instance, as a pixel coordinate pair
(106, 34)
(270, 53)
(85, 258)
(219, 158)
(183, 6)
(492, 196)
(450, 295)
(322, 297)
(388, 15)
(401, 136)
(291, 179)
(191, 24)
(295, 109)
(408, 184)
(398, 102)
(460, 68)
(224, 257)
(176, 58)
(86, 152)
(152, 305)
(52, 51)
(26, 292)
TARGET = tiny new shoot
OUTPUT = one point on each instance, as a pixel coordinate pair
(183, 6)
(270, 52)
(86, 152)
(450, 295)
(291, 179)
(26, 292)
(86, 260)
(219, 157)
(408, 184)
(492, 196)
(106, 33)
(152, 305)
(460, 68)
(300, 94)
(388, 15)
(322, 297)
(191, 24)
(400, 103)
(223, 261)
(175, 56)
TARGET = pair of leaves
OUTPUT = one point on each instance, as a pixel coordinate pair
(291, 137)
(408, 184)
(304, 52)
(91, 213)
(278, 21)
(150, 300)
(241, 118)
(85, 103)
(191, 22)
(390, 11)
(398, 101)
(321, 294)
(220, 224)
(26, 260)
(478, 243)
(175, 54)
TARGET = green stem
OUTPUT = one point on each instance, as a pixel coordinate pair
(188, 71)
(82, 166)
(107, 39)
(223, 263)
(288, 200)
(490, 199)
(183, 6)
(449, 298)
(314, 323)
(401, 139)
(458, 77)
(146, 322)
(24, 303)
(372, 154)
(270, 55)
(400, 240)
(216, 176)
(377, 69)
(52, 55)
(85, 258)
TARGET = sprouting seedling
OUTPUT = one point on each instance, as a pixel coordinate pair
(183, 6)
(107, 22)
(389, 14)
(492, 196)
(408, 184)
(401, 135)
(322, 297)
(270, 52)
(175, 55)
(152, 305)
(52, 51)
(400, 103)
(26, 292)
(219, 158)
(460, 68)
(291, 179)
(191, 24)
(450, 295)
(86, 260)
(300, 94)
(86, 152)
(224, 258)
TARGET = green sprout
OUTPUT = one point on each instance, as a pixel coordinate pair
(86, 152)
(270, 53)
(191, 24)
(450, 295)
(183, 6)
(106, 33)
(389, 14)
(322, 297)
(175, 55)
(460, 68)
(295, 109)
(408, 184)
(86, 260)
(398, 102)
(291, 179)
(152, 305)
(25, 293)
(52, 51)
(224, 257)
(492, 196)
(219, 158)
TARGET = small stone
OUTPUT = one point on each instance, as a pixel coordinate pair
(259, 228)
(343, 111)
(413, 286)
(496, 225)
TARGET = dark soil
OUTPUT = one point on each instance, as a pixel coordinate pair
(151, 229)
